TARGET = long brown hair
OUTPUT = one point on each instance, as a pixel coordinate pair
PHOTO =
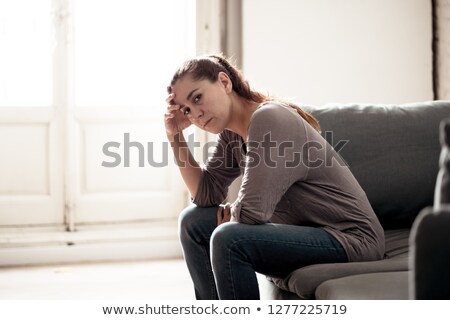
(208, 68)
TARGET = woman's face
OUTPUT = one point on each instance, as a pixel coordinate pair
(205, 104)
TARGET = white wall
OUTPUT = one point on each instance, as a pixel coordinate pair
(320, 51)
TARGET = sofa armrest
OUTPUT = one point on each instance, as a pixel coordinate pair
(430, 254)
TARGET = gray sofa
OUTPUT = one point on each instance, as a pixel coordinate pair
(393, 151)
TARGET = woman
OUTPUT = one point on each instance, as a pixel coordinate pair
(297, 205)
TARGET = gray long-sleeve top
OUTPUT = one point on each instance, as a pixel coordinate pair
(291, 175)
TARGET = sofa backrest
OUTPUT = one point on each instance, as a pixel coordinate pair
(393, 151)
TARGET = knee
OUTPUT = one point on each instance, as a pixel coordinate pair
(187, 216)
(187, 220)
(194, 221)
(224, 239)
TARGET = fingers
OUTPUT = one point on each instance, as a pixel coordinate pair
(171, 109)
(227, 212)
(170, 98)
(219, 215)
(223, 213)
(175, 121)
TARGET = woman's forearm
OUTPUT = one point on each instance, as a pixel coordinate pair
(189, 168)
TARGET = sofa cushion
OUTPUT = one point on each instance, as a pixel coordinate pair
(379, 138)
(371, 286)
(304, 281)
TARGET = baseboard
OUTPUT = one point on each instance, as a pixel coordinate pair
(90, 244)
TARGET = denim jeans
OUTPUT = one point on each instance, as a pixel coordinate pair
(222, 261)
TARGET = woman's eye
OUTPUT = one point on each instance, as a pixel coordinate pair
(197, 98)
(186, 111)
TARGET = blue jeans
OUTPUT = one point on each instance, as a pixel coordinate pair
(222, 261)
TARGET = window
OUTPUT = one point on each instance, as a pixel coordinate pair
(27, 43)
(85, 73)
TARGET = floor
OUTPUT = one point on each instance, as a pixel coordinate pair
(167, 279)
